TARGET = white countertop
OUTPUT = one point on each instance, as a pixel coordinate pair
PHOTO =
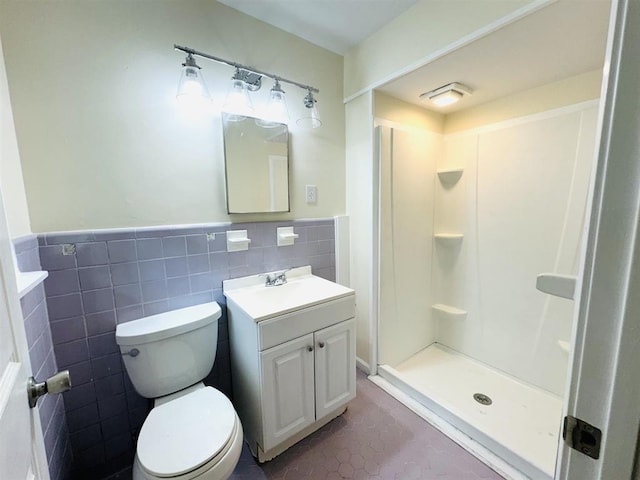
(302, 290)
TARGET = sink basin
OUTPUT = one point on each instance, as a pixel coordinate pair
(302, 290)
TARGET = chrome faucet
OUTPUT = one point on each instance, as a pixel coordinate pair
(276, 278)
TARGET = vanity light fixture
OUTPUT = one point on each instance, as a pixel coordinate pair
(191, 87)
(447, 94)
(248, 79)
(311, 119)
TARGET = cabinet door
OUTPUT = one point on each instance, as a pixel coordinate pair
(288, 401)
(335, 357)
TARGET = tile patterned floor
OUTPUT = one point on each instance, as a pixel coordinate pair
(377, 438)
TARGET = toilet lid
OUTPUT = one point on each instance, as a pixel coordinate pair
(185, 433)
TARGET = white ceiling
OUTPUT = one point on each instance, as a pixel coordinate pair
(560, 40)
(336, 25)
(556, 42)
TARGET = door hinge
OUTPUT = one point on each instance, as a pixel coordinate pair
(582, 436)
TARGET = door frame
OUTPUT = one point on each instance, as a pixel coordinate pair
(603, 378)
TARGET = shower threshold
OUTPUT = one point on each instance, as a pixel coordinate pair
(516, 433)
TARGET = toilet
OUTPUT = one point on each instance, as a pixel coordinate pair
(192, 431)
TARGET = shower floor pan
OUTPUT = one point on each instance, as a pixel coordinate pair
(521, 426)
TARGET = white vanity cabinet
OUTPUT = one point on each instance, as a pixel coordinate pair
(292, 357)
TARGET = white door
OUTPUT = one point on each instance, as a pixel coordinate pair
(335, 366)
(21, 445)
(287, 378)
(604, 389)
(22, 453)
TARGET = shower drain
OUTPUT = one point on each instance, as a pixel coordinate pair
(482, 398)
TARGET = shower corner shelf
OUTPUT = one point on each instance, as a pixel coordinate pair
(559, 285)
(450, 176)
(449, 238)
(449, 311)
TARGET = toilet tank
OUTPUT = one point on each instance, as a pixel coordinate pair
(170, 351)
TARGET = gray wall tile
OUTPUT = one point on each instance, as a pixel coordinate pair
(52, 258)
(72, 352)
(109, 386)
(117, 446)
(121, 251)
(198, 263)
(107, 365)
(176, 267)
(87, 437)
(64, 306)
(219, 243)
(80, 373)
(154, 308)
(32, 299)
(153, 291)
(68, 330)
(60, 282)
(201, 282)
(112, 406)
(101, 345)
(92, 278)
(127, 314)
(178, 286)
(90, 254)
(149, 248)
(83, 417)
(114, 426)
(98, 300)
(174, 246)
(127, 295)
(36, 323)
(79, 396)
(102, 322)
(124, 273)
(152, 271)
(197, 244)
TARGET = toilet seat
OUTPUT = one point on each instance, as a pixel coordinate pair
(187, 433)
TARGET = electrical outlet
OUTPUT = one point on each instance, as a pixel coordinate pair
(312, 194)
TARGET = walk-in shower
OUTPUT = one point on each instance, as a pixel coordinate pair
(468, 220)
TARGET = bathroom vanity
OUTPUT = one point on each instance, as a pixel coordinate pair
(292, 356)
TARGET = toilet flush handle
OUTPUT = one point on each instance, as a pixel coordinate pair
(134, 352)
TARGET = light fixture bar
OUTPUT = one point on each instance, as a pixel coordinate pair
(244, 67)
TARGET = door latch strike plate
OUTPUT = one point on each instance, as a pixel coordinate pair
(582, 436)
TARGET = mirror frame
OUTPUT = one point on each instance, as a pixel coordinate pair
(229, 158)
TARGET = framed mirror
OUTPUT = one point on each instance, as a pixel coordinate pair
(256, 157)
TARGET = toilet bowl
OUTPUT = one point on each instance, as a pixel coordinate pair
(192, 431)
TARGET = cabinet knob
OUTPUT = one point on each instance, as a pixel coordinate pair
(310, 348)
(321, 344)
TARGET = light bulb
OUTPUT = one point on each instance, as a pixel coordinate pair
(238, 104)
(276, 111)
(191, 87)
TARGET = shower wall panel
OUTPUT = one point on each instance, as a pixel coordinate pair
(520, 204)
(407, 170)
